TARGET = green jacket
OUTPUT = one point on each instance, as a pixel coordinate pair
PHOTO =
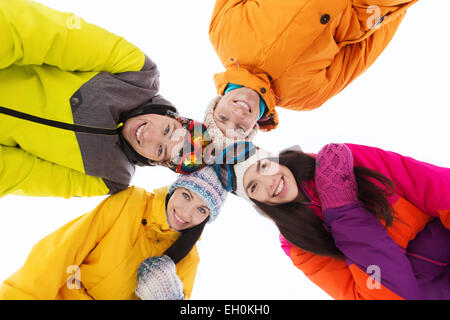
(64, 84)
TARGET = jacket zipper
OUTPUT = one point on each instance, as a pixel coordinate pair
(58, 124)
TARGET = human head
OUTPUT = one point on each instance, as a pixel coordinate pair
(257, 175)
(153, 136)
(234, 115)
(156, 135)
(269, 182)
(237, 112)
(194, 198)
(296, 222)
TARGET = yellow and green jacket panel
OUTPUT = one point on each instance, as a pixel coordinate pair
(60, 75)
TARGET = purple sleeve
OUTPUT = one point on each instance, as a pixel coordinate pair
(366, 244)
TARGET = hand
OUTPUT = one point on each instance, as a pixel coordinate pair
(334, 178)
(157, 280)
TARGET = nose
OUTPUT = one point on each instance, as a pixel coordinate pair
(267, 183)
(271, 186)
(238, 112)
(149, 135)
(184, 213)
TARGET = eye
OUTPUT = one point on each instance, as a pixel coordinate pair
(202, 210)
(167, 130)
(253, 188)
(186, 196)
(222, 118)
(160, 150)
(264, 166)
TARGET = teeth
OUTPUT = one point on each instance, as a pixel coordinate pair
(179, 219)
(280, 188)
(138, 133)
(243, 104)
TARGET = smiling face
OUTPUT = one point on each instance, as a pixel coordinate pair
(154, 136)
(237, 112)
(270, 182)
(186, 209)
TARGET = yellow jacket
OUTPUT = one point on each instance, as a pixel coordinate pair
(299, 53)
(96, 256)
(65, 76)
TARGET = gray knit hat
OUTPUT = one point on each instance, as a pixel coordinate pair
(206, 184)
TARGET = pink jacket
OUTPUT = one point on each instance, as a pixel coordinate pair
(413, 254)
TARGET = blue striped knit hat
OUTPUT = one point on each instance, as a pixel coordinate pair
(206, 184)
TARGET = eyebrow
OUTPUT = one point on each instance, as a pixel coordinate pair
(219, 119)
(248, 185)
(258, 168)
(165, 154)
(192, 197)
(165, 147)
(173, 131)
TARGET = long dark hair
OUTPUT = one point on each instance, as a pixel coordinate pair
(302, 227)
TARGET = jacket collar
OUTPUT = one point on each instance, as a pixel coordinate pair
(156, 216)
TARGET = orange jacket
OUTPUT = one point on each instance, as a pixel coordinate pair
(299, 53)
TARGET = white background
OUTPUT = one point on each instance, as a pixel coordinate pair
(400, 104)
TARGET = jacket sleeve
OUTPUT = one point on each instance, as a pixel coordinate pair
(300, 85)
(33, 34)
(425, 185)
(52, 260)
(350, 58)
(336, 278)
(22, 173)
(368, 248)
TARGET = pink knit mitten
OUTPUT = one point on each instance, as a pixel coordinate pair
(334, 178)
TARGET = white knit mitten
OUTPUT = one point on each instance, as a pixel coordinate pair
(158, 280)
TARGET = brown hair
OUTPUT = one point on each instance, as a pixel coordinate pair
(301, 226)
